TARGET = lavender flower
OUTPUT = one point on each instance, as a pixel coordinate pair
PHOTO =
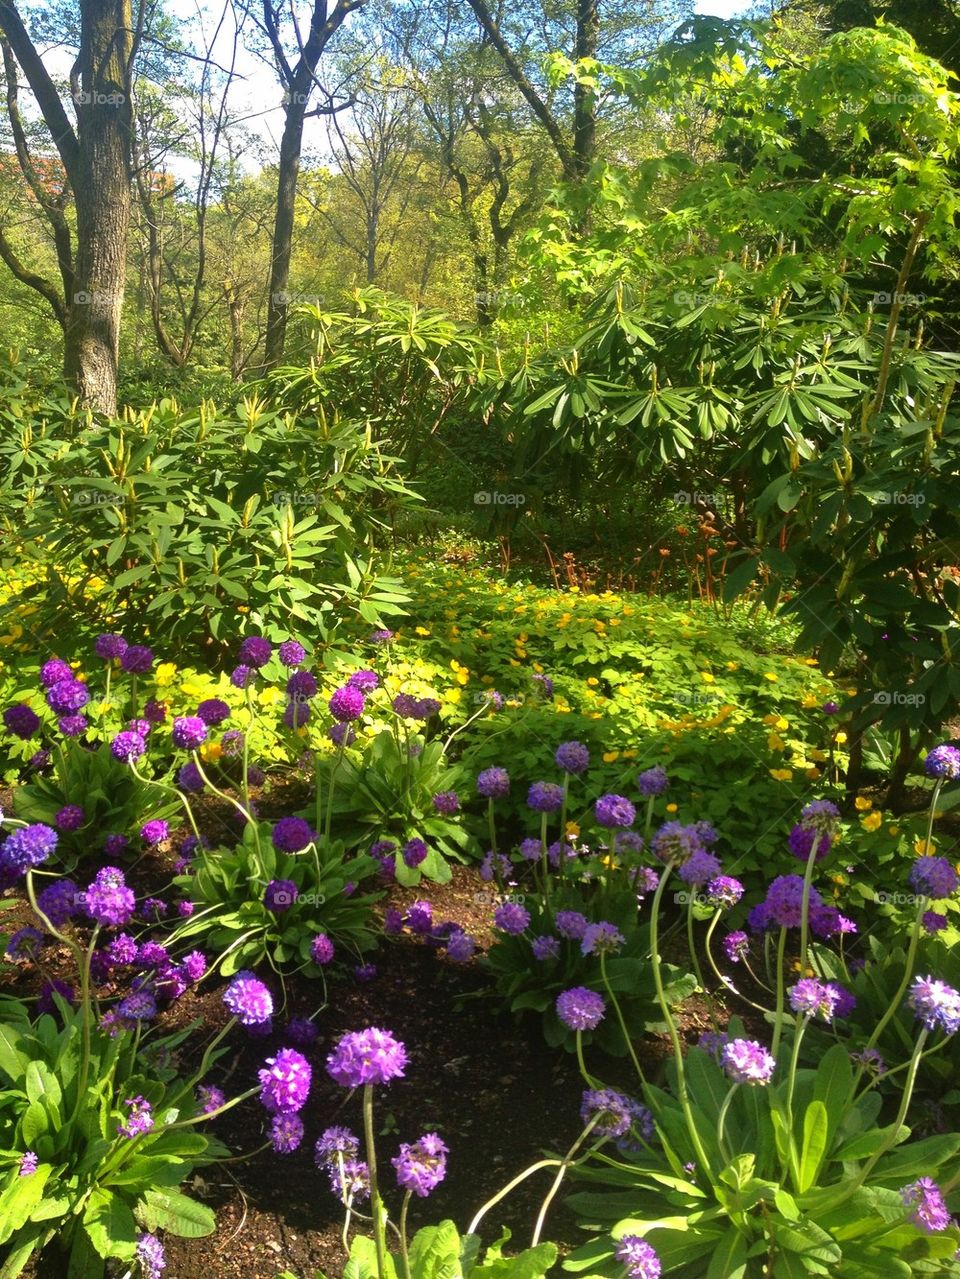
(784, 901)
(571, 924)
(366, 681)
(350, 1181)
(414, 852)
(602, 939)
(296, 714)
(136, 659)
(511, 918)
(154, 832)
(55, 671)
(301, 686)
(68, 697)
(286, 1133)
(572, 757)
(59, 901)
(699, 867)
(736, 946)
(255, 651)
(21, 721)
(189, 779)
(321, 949)
(151, 1256)
(724, 891)
(421, 1166)
(365, 972)
(213, 711)
(446, 803)
(934, 922)
(292, 653)
(25, 943)
(870, 1060)
(580, 1008)
(675, 842)
(347, 704)
(545, 797)
(127, 746)
(370, 1056)
(614, 812)
(108, 901)
(929, 1212)
(493, 783)
(73, 725)
(934, 877)
(242, 676)
(419, 918)
(639, 1257)
(154, 711)
(333, 1142)
(249, 1000)
(302, 1031)
(813, 998)
(616, 1114)
(26, 847)
(211, 1098)
(291, 835)
(653, 781)
(28, 1163)
(188, 732)
(285, 1082)
(138, 1120)
(747, 1062)
(280, 895)
(545, 948)
(943, 762)
(713, 1042)
(115, 845)
(140, 1006)
(460, 947)
(493, 862)
(936, 1004)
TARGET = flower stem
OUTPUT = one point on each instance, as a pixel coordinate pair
(376, 1207)
(778, 1023)
(404, 1257)
(561, 1173)
(620, 1017)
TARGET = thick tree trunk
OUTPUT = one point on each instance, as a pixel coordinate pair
(584, 99)
(287, 176)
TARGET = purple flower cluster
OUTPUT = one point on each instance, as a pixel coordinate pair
(138, 1119)
(249, 1000)
(26, 847)
(614, 812)
(821, 999)
(580, 1008)
(408, 707)
(545, 797)
(422, 1165)
(446, 803)
(572, 757)
(724, 891)
(151, 1256)
(21, 721)
(934, 877)
(736, 946)
(747, 1062)
(347, 704)
(136, 659)
(285, 1082)
(615, 1113)
(128, 746)
(601, 939)
(928, 1210)
(511, 918)
(188, 732)
(108, 901)
(493, 783)
(291, 835)
(936, 1004)
(639, 1258)
(676, 842)
(255, 651)
(943, 762)
(292, 653)
(370, 1056)
(653, 781)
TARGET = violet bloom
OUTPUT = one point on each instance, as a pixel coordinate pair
(414, 853)
(936, 1004)
(349, 1181)
(188, 732)
(109, 646)
(291, 835)
(292, 653)
(446, 803)
(21, 721)
(724, 891)
(545, 797)
(493, 783)
(25, 943)
(189, 779)
(347, 704)
(699, 867)
(365, 972)
(419, 918)
(934, 922)
(115, 845)
(422, 1165)
(366, 681)
(511, 918)
(249, 1000)
(59, 901)
(70, 817)
(334, 1142)
(138, 1120)
(531, 850)
(784, 901)
(213, 711)
(211, 1098)
(342, 734)
(243, 676)
(370, 1056)
(736, 946)
(137, 659)
(943, 762)
(68, 697)
(73, 725)
(545, 948)
(602, 939)
(491, 864)
(614, 812)
(934, 877)
(127, 746)
(280, 895)
(49, 990)
(713, 1042)
(615, 1113)
(193, 967)
(571, 924)
(801, 840)
(55, 671)
(813, 998)
(255, 651)
(286, 1133)
(639, 1258)
(154, 832)
(140, 1006)
(297, 714)
(830, 708)
(27, 847)
(460, 947)
(392, 921)
(285, 1082)
(653, 781)
(747, 1062)
(674, 842)
(29, 1162)
(928, 1210)
(580, 1008)
(151, 1256)
(572, 757)
(301, 686)
(154, 711)
(321, 949)
(302, 1031)
(108, 901)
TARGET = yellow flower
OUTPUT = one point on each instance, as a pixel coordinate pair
(593, 681)
(818, 755)
(420, 630)
(893, 830)
(862, 804)
(270, 697)
(924, 849)
(840, 738)
(809, 701)
(166, 672)
(210, 751)
(708, 678)
(610, 756)
(776, 743)
(872, 821)
(672, 808)
(770, 676)
(813, 774)
(781, 774)
(733, 666)
(573, 830)
(609, 862)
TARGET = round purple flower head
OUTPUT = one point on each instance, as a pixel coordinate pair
(572, 757)
(73, 725)
(747, 1062)
(639, 1258)
(601, 939)
(68, 697)
(421, 1166)
(929, 1212)
(366, 681)
(511, 918)
(934, 877)
(70, 817)
(140, 1006)
(280, 895)
(189, 779)
(814, 998)
(139, 1118)
(154, 711)
(614, 811)
(381, 637)
(301, 686)
(154, 832)
(296, 714)
(784, 901)
(285, 1082)
(580, 1008)
(29, 1162)
(571, 924)
(21, 720)
(460, 947)
(653, 781)
(802, 838)
(255, 651)
(420, 918)
(26, 847)
(302, 1031)
(136, 659)
(675, 842)
(127, 746)
(724, 891)
(211, 1098)
(59, 901)
(25, 943)
(545, 797)
(933, 921)
(212, 711)
(699, 867)
(188, 732)
(151, 1256)
(55, 671)
(370, 1056)
(242, 676)
(493, 783)
(830, 708)
(616, 1113)
(292, 653)
(286, 1133)
(291, 835)
(936, 1004)
(545, 948)
(414, 852)
(109, 646)
(334, 1142)
(736, 946)
(943, 762)
(446, 803)
(347, 704)
(321, 949)
(249, 1000)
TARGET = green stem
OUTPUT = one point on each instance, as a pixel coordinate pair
(620, 1017)
(721, 1123)
(720, 977)
(901, 989)
(502, 1194)
(334, 769)
(375, 1205)
(493, 829)
(589, 1079)
(561, 1173)
(544, 860)
(404, 1257)
(778, 1023)
(805, 907)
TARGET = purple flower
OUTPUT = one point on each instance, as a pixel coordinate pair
(249, 1000)
(545, 948)
(349, 1181)
(414, 852)
(365, 972)
(140, 1006)
(675, 842)
(109, 646)
(370, 1056)
(154, 711)
(211, 1098)
(70, 817)
(115, 845)
(136, 659)
(302, 1031)
(26, 847)
(736, 946)
(25, 943)
(68, 697)
(713, 1042)
(870, 1060)
(821, 815)
(21, 720)
(747, 1062)
(638, 1256)
(334, 1142)
(616, 1113)
(285, 1082)
(55, 671)
(151, 1256)
(934, 877)
(301, 686)
(545, 797)
(127, 746)
(392, 921)
(511, 918)
(211, 712)
(347, 704)
(286, 1133)
(280, 895)
(321, 949)
(188, 732)
(292, 653)
(154, 832)
(943, 762)
(291, 835)
(724, 891)
(242, 676)
(39, 759)
(366, 681)
(830, 708)
(153, 908)
(545, 685)
(28, 1163)
(491, 863)
(614, 812)
(784, 901)
(493, 783)
(601, 939)
(189, 779)
(138, 1120)
(571, 924)
(421, 1166)
(296, 714)
(193, 967)
(934, 922)
(47, 1004)
(653, 781)
(73, 725)
(929, 1212)
(572, 757)
(342, 734)
(59, 901)
(699, 867)
(936, 1004)
(801, 840)
(644, 880)
(255, 651)
(419, 918)
(531, 849)
(580, 1008)
(460, 947)
(813, 998)
(446, 803)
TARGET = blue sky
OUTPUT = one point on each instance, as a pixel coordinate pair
(721, 8)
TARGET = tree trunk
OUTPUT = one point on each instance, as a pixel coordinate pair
(584, 99)
(287, 176)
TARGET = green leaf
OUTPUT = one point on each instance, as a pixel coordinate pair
(729, 1257)
(173, 1211)
(109, 1224)
(815, 1131)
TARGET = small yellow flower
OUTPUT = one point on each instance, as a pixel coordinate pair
(708, 678)
(672, 808)
(818, 755)
(770, 676)
(862, 804)
(776, 743)
(813, 774)
(573, 830)
(893, 830)
(420, 630)
(924, 849)
(872, 821)
(210, 751)
(781, 774)
(610, 756)
(165, 674)
(733, 666)
(593, 681)
(840, 738)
